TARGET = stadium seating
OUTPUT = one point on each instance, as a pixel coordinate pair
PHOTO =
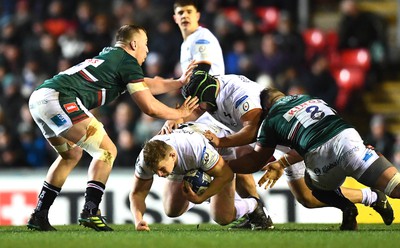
(348, 79)
(315, 42)
(269, 18)
(232, 14)
(356, 58)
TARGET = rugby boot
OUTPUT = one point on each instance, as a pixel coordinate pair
(259, 220)
(383, 207)
(96, 222)
(40, 221)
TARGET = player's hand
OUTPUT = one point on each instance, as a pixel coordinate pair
(273, 171)
(190, 194)
(184, 79)
(212, 138)
(370, 147)
(168, 126)
(188, 106)
(142, 226)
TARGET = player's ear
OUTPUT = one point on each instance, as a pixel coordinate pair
(198, 15)
(172, 154)
(133, 45)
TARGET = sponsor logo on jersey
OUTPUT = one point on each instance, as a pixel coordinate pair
(367, 155)
(59, 120)
(342, 159)
(301, 106)
(71, 107)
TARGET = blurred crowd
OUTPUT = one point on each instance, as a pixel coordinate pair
(260, 39)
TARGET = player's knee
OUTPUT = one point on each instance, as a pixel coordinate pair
(172, 213)
(393, 187)
(93, 143)
(69, 152)
(223, 220)
(75, 154)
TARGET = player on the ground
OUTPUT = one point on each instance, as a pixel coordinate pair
(60, 107)
(172, 156)
(332, 150)
(200, 45)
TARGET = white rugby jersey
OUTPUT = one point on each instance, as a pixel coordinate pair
(202, 45)
(207, 122)
(193, 149)
(237, 96)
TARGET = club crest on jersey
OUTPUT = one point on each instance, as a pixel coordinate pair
(202, 45)
(71, 107)
(209, 158)
(245, 106)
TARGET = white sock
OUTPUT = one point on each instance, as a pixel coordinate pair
(191, 205)
(237, 196)
(369, 196)
(244, 206)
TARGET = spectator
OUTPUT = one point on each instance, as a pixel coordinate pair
(146, 128)
(70, 43)
(319, 82)
(32, 75)
(270, 60)
(362, 29)
(123, 119)
(379, 137)
(56, 21)
(11, 152)
(289, 40)
(128, 149)
(12, 100)
(84, 18)
(289, 80)
(49, 54)
(209, 14)
(166, 42)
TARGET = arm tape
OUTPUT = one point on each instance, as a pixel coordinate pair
(135, 87)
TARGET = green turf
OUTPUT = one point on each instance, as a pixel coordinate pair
(205, 236)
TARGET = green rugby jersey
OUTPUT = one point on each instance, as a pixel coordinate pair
(300, 122)
(99, 80)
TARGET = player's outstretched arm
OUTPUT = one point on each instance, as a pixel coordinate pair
(153, 107)
(252, 161)
(159, 85)
(137, 197)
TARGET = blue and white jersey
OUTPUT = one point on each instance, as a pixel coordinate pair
(194, 152)
(237, 96)
(202, 45)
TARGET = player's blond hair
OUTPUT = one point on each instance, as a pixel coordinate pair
(154, 151)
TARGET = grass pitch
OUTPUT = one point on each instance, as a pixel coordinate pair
(204, 236)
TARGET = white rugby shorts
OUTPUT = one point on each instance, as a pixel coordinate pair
(343, 155)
